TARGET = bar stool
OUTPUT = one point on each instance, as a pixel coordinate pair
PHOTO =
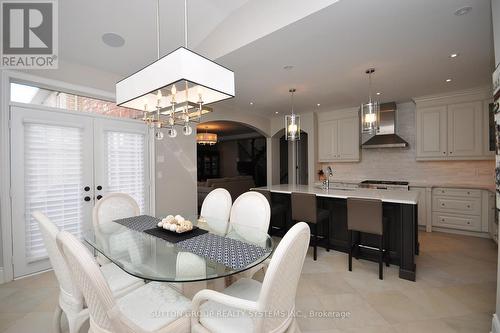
(365, 215)
(305, 209)
(278, 211)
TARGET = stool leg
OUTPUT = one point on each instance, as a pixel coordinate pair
(350, 250)
(327, 236)
(315, 255)
(380, 259)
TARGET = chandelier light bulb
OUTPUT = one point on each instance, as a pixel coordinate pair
(159, 135)
(172, 132)
(187, 130)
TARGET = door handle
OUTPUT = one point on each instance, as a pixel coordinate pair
(99, 197)
(87, 198)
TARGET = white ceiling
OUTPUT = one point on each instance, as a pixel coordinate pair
(329, 45)
(408, 42)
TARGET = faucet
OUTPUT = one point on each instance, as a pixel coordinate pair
(326, 182)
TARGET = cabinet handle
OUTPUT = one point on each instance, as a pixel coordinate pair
(99, 197)
(442, 205)
(86, 198)
(468, 222)
(468, 193)
(468, 206)
(86, 188)
(442, 220)
(451, 152)
(444, 153)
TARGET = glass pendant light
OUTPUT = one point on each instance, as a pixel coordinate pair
(292, 123)
(370, 112)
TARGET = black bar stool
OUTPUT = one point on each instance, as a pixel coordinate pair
(305, 209)
(278, 211)
(365, 215)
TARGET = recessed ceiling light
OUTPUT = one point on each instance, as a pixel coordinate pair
(112, 39)
(379, 93)
(318, 105)
(448, 80)
(288, 67)
(463, 11)
(276, 112)
(251, 103)
(453, 55)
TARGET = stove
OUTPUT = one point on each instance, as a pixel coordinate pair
(385, 185)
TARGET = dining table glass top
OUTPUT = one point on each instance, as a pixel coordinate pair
(152, 258)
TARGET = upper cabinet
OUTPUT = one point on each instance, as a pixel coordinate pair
(453, 128)
(338, 136)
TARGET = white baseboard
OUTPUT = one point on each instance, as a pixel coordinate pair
(2, 280)
(495, 324)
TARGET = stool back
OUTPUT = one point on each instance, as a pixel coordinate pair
(364, 215)
(304, 207)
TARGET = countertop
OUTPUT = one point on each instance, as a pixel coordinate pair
(416, 183)
(402, 197)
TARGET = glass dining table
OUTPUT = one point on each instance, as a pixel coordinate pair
(213, 253)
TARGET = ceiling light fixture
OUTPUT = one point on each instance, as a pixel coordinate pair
(318, 105)
(463, 11)
(251, 103)
(379, 93)
(175, 89)
(206, 138)
(370, 112)
(292, 122)
(453, 55)
(113, 39)
(276, 112)
(448, 80)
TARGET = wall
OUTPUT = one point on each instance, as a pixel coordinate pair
(176, 176)
(379, 163)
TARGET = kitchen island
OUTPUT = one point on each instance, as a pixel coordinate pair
(399, 211)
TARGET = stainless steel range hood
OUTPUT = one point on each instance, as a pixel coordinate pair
(386, 136)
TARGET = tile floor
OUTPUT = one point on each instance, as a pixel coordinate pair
(455, 291)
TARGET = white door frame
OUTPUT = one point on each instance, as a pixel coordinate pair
(5, 201)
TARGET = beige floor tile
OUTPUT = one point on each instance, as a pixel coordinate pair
(7, 319)
(309, 322)
(395, 307)
(360, 312)
(472, 323)
(24, 300)
(477, 297)
(35, 322)
(327, 284)
(438, 303)
(427, 326)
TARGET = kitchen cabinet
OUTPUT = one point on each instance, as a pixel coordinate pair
(338, 137)
(465, 137)
(452, 128)
(462, 209)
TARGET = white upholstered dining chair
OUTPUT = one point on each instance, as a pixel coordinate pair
(250, 217)
(70, 299)
(154, 307)
(216, 209)
(249, 299)
(110, 207)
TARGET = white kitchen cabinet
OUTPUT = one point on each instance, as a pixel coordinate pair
(452, 128)
(432, 140)
(465, 138)
(338, 138)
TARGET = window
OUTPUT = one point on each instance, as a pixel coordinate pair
(22, 93)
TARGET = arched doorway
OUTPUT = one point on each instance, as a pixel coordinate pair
(236, 162)
(287, 151)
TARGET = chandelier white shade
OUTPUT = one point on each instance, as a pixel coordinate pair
(370, 112)
(206, 81)
(206, 138)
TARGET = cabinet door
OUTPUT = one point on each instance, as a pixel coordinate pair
(464, 130)
(327, 141)
(348, 139)
(431, 132)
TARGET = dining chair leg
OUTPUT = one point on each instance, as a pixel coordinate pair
(56, 321)
(381, 258)
(350, 249)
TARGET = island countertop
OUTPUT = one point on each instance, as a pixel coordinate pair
(393, 196)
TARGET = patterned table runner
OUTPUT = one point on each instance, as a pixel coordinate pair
(227, 251)
(139, 223)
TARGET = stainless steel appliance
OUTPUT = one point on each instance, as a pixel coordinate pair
(385, 185)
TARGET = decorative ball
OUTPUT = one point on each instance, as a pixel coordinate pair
(160, 224)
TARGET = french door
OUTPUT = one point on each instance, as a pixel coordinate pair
(61, 164)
